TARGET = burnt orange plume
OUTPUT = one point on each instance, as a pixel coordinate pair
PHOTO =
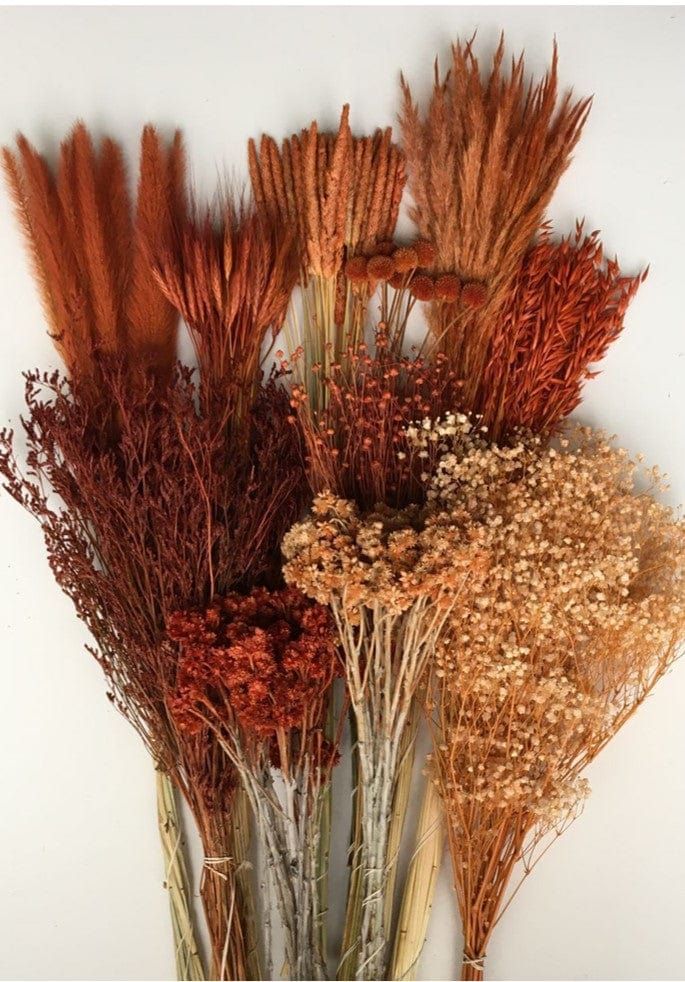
(90, 254)
(484, 159)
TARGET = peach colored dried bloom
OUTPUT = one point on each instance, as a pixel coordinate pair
(405, 259)
(447, 288)
(390, 582)
(426, 252)
(356, 269)
(580, 613)
(381, 267)
(423, 288)
(474, 295)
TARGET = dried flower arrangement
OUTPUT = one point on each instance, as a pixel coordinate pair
(465, 558)
(256, 672)
(163, 501)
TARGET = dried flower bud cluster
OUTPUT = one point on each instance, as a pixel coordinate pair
(272, 653)
(386, 557)
(356, 445)
(407, 267)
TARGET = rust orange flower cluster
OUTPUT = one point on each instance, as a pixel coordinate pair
(272, 651)
(408, 267)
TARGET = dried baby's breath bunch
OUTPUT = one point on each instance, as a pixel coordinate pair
(580, 613)
(391, 582)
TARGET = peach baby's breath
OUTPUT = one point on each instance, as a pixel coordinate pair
(579, 614)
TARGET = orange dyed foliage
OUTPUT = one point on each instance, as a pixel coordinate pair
(564, 309)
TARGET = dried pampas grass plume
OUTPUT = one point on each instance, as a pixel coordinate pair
(90, 252)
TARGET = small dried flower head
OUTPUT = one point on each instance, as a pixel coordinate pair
(447, 288)
(398, 280)
(384, 248)
(423, 288)
(405, 259)
(425, 251)
(356, 269)
(381, 267)
(474, 295)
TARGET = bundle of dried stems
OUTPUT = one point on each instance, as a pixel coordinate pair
(483, 163)
(341, 194)
(90, 252)
(161, 501)
(579, 615)
(257, 671)
(390, 584)
(524, 593)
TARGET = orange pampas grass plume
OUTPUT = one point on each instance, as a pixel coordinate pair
(160, 207)
(90, 253)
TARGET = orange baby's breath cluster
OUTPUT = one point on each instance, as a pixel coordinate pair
(580, 613)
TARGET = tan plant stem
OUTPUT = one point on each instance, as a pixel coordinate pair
(289, 832)
(473, 967)
(400, 803)
(189, 966)
(243, 875)
(222, 898)
(419, 888)
(350, 941)
(385, 656)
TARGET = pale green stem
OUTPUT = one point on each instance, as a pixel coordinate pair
(188, 960)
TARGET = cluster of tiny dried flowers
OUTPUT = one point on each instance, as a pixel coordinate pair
(580, 613)
(355, 444)
(269, 655)
(386, 557)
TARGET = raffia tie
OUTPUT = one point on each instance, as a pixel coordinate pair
(478, 963)
(212, 862)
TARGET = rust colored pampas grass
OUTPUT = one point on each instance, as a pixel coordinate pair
(483, 162)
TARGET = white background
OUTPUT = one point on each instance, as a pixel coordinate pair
(80, 871)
